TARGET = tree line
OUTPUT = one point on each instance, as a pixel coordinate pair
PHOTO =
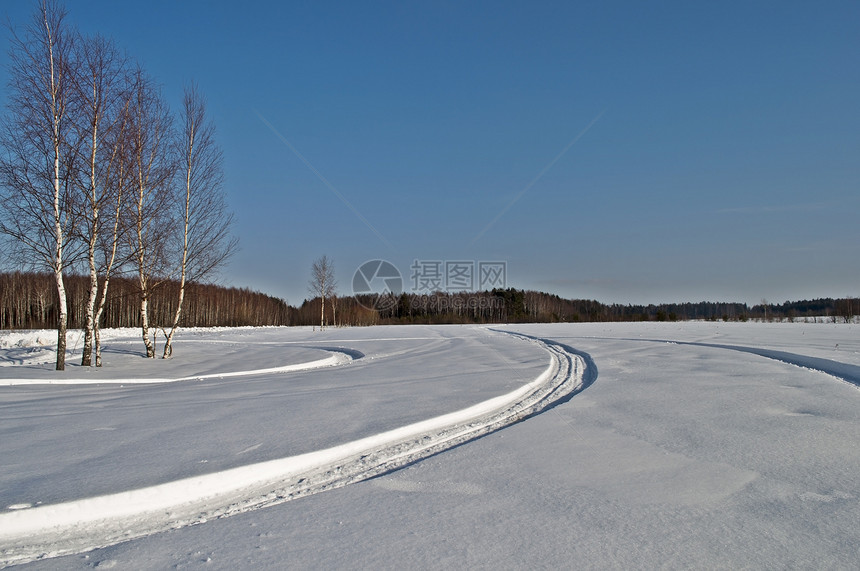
(518, 306)
(29, 301)
(524, 306)
(98, 177)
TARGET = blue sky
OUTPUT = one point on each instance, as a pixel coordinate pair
(713, 149)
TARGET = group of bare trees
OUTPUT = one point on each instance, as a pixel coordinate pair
(96, 177)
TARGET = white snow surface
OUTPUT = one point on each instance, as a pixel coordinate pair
(705, 445)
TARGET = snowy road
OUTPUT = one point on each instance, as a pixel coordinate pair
(685, 453)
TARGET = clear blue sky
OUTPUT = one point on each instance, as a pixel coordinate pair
(722, 160)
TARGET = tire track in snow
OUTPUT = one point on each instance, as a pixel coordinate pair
(83, 525)
(842, 371)
(341, 356)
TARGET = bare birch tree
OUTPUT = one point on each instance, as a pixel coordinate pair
(38, 164)
(153, 167)
(119, 180)
(102, 84)
(322, 283)
(204, 218)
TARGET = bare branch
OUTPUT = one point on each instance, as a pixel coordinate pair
(206, 243)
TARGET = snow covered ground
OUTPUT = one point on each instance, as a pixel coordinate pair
(718, 445)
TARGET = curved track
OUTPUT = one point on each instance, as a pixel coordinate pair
(843, 371)
(340, 356)
(82, 525)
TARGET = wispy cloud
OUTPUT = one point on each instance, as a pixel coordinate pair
(324, 180)
(537, 178)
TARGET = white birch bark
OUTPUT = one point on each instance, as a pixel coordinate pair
(57, 117)
(36, 165)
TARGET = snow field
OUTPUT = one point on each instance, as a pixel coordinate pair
(85, 524)
(690, 452)
(69, 527)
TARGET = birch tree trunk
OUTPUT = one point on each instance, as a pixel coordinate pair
(103, 89)
(144, 326)
(57, 116)
(111, 255)
(62, 317)
(86, 358)
(154, 167)
(142, 276)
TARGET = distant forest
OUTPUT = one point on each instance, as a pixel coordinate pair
(28, 301)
